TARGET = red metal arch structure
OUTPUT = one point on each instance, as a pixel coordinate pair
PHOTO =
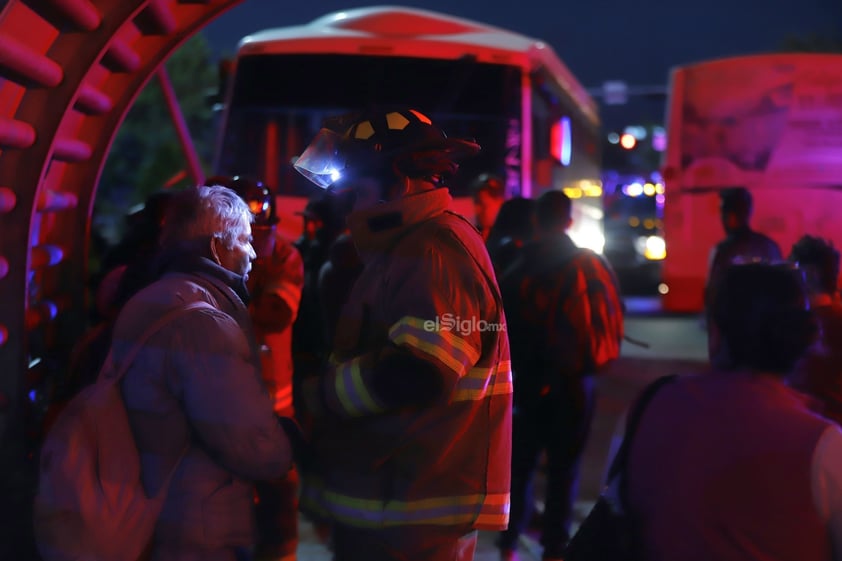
(69, 72)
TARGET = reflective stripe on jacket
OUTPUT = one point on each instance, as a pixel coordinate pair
(427, 289)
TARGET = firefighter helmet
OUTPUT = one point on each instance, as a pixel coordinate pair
(256, 195)
(383, 143)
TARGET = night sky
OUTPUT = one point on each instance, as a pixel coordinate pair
(633, 40)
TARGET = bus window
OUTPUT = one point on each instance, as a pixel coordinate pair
(279, 102)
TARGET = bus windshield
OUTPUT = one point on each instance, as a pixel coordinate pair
(278, 102)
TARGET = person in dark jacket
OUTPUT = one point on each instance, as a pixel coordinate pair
(820, 373)
(126, 268)
(730, 464)
(194, 394)
(550, 336)
(513, 228)
(322, 224)
(336, 279)
(489, 193)
(742, 244)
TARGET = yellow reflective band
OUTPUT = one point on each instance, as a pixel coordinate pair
(480, 383)
(350, 387)
(445, 346)
(438, 511)
(341, 392)
(312, 496)
(362, 391)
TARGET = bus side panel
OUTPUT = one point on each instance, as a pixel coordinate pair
(770, 123)
(690, 225)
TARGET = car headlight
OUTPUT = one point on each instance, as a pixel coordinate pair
(590, 238)
(652, 248)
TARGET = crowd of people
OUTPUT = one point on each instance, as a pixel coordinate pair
(397, 372)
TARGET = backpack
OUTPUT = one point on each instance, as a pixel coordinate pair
(552, 326)
(603, 310)
(91, 504)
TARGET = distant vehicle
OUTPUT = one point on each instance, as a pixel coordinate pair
(771, 123)
(634, 243)
(537, 125)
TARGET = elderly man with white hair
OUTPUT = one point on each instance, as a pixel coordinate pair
(193, 392)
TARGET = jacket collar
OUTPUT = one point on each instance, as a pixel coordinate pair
(378, 228)
(193, 257)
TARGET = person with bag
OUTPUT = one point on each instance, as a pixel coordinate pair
(200, 424)
(565, 322)
(731, 464)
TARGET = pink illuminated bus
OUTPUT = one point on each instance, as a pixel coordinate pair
(771, 123)
(537, 125)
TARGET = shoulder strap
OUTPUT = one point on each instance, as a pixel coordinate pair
(153, 328)
(618, 466)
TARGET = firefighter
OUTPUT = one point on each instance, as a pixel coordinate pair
(274, 285)
(412, 430)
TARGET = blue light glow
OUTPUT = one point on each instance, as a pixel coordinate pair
(566, 144)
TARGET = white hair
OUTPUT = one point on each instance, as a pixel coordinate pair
(205, 211)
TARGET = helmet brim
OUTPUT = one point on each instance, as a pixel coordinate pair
(459, 148)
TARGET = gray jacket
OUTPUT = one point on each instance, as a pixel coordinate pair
(197, 383)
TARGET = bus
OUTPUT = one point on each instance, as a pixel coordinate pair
(537, 125)
(771, 123)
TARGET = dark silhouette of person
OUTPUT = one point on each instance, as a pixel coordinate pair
(489, 193)
(126, 268)
(731, 463)
(548, 293)
(820, 373)
(742, 244)
(514, 227)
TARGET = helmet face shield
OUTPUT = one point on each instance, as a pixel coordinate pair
(382, 144)
(321, 162)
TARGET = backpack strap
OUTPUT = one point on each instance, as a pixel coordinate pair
(118, 374)
(619, 465)
(108, 367)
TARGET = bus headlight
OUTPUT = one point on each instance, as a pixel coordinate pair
(652, 248)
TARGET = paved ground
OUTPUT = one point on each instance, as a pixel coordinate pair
(676, 344)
